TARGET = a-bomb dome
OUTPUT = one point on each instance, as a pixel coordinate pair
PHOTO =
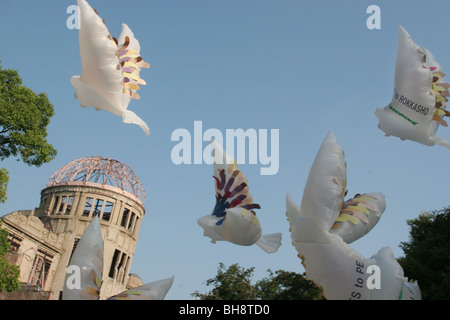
(98, 170)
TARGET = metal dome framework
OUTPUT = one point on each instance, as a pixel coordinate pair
(98, 170)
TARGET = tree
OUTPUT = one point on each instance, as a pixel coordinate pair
(427, 254)
(9, 274)
(24, 117)
(285, 285)
(4, 179)
(234, 283)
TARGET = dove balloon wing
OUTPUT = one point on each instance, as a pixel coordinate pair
(98, 63)
(326, 185)
(110, 70)
(151, 291)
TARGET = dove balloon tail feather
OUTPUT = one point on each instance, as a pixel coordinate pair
(269, 242)
(442, 142)
(131, 118)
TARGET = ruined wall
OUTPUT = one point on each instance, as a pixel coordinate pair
(26, 292)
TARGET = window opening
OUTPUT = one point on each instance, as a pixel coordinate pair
(113, 264)
(125, 214)
(39, 271)
(69, 205)
(61, 205)
(130, 223)
(55, 205)
(107, 211)
(87, 207)
(98, 208)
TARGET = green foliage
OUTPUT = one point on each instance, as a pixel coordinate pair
(234, 283)
(285, 285)
(24, 117)
(4, 179)
(427, 254)
(9, 275)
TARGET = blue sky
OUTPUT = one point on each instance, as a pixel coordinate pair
(302, 67)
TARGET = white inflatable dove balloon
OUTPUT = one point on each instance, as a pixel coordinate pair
(324, 225)
(87, 259)
(418, 105)
(151, 291)
(84, 273)
(110, 68)
(233, 218)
